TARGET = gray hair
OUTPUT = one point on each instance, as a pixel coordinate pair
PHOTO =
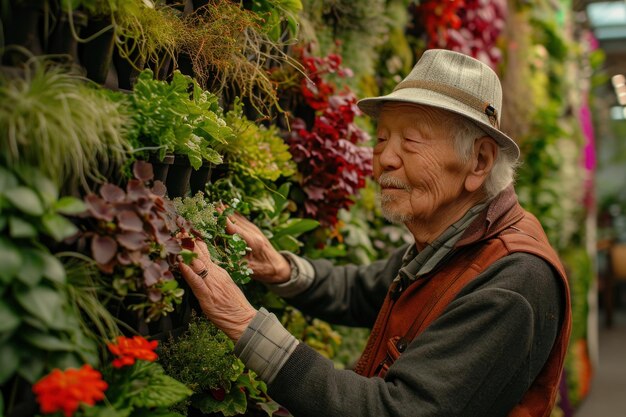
(503, 171)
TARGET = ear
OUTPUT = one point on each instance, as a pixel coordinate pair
(481, 162)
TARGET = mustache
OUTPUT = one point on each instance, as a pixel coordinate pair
(388, 180)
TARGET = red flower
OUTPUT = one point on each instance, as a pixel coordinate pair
(130, 349)
(66, 390)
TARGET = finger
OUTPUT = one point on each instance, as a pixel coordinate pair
(198, 266)
(197, 285)
(204, 250)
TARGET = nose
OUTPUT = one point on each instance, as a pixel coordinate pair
(389, 156)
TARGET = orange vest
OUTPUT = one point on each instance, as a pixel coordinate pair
(408, 312)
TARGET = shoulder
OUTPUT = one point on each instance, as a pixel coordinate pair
(530, 277)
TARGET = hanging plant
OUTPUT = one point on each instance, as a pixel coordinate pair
(131, 233)
(231, 53)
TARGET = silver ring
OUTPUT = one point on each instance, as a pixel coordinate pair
(203, 274)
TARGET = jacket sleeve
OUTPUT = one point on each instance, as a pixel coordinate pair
(348, 295)
(477, 359)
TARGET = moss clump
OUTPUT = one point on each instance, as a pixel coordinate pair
(202, 358)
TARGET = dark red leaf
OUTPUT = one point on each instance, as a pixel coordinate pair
(123, 258)
(187, 243)
(155, 295)
(159, 189)
(103, 248)
(129, 221)
(132, 240)
(218, 393)
(143, 171)
(137, 191)
(151, 274)
(99, 208)
(112, 193)
(172, 246)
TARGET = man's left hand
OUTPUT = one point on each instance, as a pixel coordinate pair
(220, 298)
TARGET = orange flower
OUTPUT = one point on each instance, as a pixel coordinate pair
(129, 349)
(66, 390)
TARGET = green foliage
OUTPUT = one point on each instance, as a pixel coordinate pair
(39, 329)
(55, 121)
(202, 357)
(226, 250)
(273, 13)
(256, 150)
(314, 332)
(171, 119)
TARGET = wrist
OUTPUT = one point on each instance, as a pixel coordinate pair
(283, 270)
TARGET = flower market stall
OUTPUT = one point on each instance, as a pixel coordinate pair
(129, 127)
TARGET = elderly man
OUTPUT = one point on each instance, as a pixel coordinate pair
(473, 319)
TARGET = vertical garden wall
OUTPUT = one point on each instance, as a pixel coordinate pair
(131, 126)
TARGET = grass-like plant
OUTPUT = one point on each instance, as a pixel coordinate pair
(55, 120)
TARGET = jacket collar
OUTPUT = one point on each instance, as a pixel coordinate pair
(502, 212)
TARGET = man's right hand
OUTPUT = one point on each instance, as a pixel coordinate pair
(268, 265)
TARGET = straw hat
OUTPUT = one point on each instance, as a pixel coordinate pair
(455, 82)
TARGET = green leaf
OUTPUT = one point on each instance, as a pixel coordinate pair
(10, 260)
(32, 367)
(53, 268)
(234, 403)
(58, 226)
(295, 227)
(70, 206)
(45, 341)
(32, 270)
(9, 361)
(7, 180)
(9, 320)
(20, 228)
(42, 302)
(64, 360)
(286, 242)
(188, 256)
(25, 200)
(153, 388)
(46, 188)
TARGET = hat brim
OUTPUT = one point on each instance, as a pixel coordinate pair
(372, 106)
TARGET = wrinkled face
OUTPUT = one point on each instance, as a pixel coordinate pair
(416, 165)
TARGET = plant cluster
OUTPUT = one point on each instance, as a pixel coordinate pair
(132, 239)
(256, 150)
(56, 121)
(39, 329)
(132, 384)
(226, 250)
(332, 165)
(176, 117)
(202, 358)
(471, 27)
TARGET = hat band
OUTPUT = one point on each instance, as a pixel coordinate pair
(457, 94)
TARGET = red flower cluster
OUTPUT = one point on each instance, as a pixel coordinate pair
(130, 349)
(66, 390)
(332, 165)
(468, 26)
